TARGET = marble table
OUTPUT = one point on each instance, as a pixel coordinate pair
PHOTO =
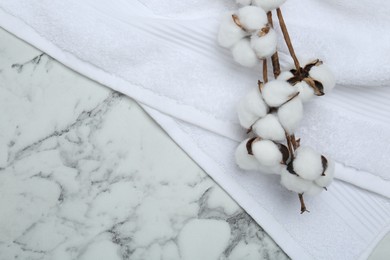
(86, 174)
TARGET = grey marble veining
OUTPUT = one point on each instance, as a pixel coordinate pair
(86, 174)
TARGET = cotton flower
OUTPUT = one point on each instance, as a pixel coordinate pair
(252, 18)
(264, 42)
(307, 163)
(277, 92)
(290, 114)
(306, 93)
(249, 162)
(285, 75)
(293, 182)
(229, 32)
(268, 5)
(327, 178)
(244, 54)
(267, 153)
(250, 108)
(314, 190)
(324, 75)
(269, 127)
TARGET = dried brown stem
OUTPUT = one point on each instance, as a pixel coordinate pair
(289, 144)
(265, 71)
(303, 206)
(287, 39)
(275, 57)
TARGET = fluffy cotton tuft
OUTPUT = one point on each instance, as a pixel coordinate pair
(324, 75)
(324, 181)
(277, 92)
(252, 17)
(244, 54)
(244, 160)
(314, 190)
(267, 153)
(293, 182)
(285, 75)
(306, 93)
(307, 163)
(268, 5)
(269, 127)
(265, 45)
(244, 2)
(290, 115)
(229, 33)
(250, 108)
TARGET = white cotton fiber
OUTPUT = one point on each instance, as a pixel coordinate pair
(293, 182)
(285, 75)
(252, 17)
(244, 160)
(306, 93)
(324, 181)
(307, 163)
(244, 2)
(269, 127)
(276, 92)
(265, 45)
(267, 153)
(323, 74)
(229, 33)
(290, 115)
(314, 190)
(250, 108)
(268, 5)
(244, 54)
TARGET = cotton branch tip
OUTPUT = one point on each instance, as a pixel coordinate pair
(229, 32)
(268, 5)
(252, 17)
(264, 42)
(293, 182)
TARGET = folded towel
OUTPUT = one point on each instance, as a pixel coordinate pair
(164, 55)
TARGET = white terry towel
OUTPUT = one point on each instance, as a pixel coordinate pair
(164, 54)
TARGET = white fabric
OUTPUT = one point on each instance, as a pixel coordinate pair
(164, 54)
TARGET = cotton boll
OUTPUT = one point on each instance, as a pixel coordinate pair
(314, 190)
(268, 5)
(324, 75)
(307, 163)
(285, 75)
(252, 17)
(293, 182)
(306, 92)
(251, 108)
(244, 160)
(244, 2)
(324, 181)
(265, 45)
(267, 153)
(290, 115)
(277, 92)
(244, 54)
(269, 127)
(229, 33)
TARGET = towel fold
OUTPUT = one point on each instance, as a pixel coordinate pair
(164, 55)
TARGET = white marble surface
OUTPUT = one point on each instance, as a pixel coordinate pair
(86, 174)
